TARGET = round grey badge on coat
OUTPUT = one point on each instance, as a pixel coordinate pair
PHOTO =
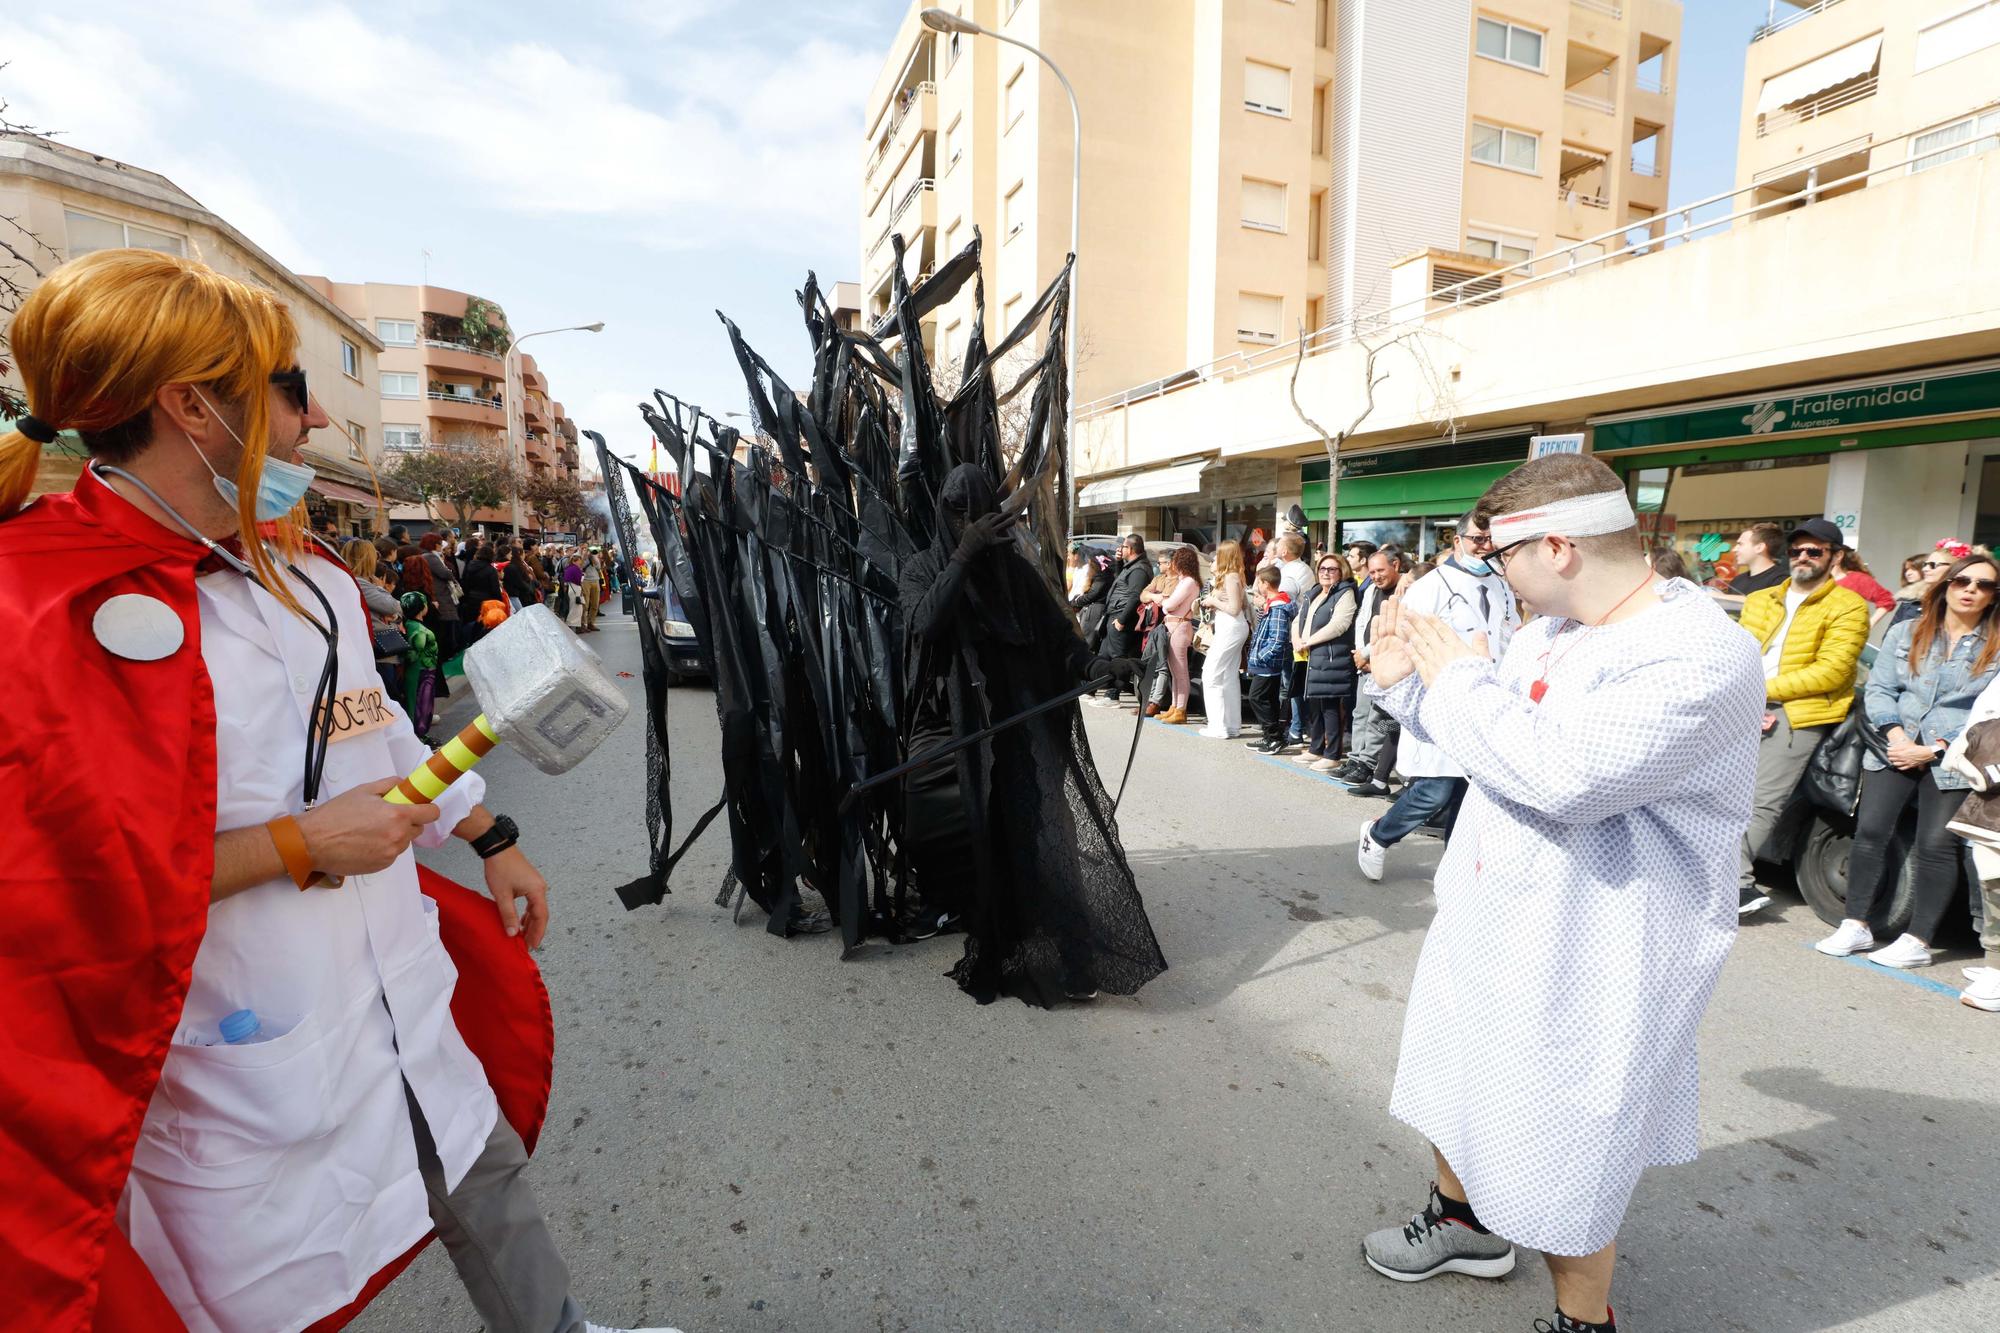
(138, 627)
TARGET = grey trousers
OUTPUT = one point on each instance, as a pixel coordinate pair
(1782, 756)
(1989, 923)
(496, 1236)
(1373, 728)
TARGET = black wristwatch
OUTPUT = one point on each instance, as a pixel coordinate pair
(504, 834)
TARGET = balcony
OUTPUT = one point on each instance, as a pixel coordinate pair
(1815, 107)
(461, 358)
(890, 148)
(1608, 8)
(922, 196)
(1775, 24)
(474, 409)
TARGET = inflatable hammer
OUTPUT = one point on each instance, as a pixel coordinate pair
(544, 693)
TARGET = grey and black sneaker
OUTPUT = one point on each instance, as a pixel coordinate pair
(1430, 1245)
(1751, 899)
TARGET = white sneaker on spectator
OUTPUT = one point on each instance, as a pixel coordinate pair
(1325, 764)
(589, 1327)
(1369, 854)
(1984, 992)
(1907, 951)
(1852, 937)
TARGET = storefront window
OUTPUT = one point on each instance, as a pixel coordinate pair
(1401, 532)
(1193, 524)
(1098, 522)
(1986, 521)
(1251, 522)
(1700, 509)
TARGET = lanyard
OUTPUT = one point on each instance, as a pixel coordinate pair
(1541, 687)
(319, 724)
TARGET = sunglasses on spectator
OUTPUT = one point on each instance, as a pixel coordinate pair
(294, 382)
(1329, 569)
(1937, 564)
(1810, 552)
(1479, 540)
(1967, 581)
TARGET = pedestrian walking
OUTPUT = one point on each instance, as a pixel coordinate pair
(1467, 593)
(1221, 672)
(1925, 680)
(1811, 632)
(1550, 1040)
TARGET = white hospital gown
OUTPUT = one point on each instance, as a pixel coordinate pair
(1586, 902)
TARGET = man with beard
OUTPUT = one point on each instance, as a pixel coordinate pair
(1121, 607)
(1050, 906)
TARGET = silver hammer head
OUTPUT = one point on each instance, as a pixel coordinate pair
(544, 692)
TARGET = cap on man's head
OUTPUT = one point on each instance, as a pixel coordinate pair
(1820, 531)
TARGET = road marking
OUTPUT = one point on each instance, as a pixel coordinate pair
(1896, 974)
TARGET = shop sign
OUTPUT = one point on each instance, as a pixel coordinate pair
(1541, 446)
(1819, 410)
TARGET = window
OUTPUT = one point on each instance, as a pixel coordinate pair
(1319, 119)
(1258, 317)
(1263, 205)
(954, 144)
(1320, 25)
(1963, 138)
(1503, 246)
(402, 437)
(1970, 29)
(397, 332)
(350, 359)
(89, 233)
(1267, 88)
(357, 440)
(1315, 225)
(1510, 43)
(1013, 213)
(951, 238)
(396, 385)
(1010, 314)
(1516, 150)
(1312, 313)
(1014, 99)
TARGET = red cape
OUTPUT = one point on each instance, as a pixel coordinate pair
(107, 772)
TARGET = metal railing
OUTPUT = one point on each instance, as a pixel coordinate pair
(1816, 107)
(1582, 200)
(1776, 24)
(910, 99)
(1605, 7)
(1604, 104)
(1650, 83)
(438, 396)
(1676, 226)
(1645, 166)
(447, 346)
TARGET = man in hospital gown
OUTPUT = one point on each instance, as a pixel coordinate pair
(1587, 898)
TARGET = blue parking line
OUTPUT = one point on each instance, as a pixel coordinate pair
(1896, 974)
(1285, 765)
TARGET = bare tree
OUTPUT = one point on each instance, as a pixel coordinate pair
(1440, 401)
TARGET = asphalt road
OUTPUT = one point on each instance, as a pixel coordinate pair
(749, 1134)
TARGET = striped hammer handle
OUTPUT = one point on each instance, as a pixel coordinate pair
(451, 762)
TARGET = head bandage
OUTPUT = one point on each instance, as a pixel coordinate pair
(1584, 516)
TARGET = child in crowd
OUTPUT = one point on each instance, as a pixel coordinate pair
(1270, 656)
(420, 664)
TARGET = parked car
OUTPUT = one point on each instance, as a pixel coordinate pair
(684, 654)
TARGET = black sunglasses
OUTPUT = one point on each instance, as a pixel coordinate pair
(1810, 552)
(1967, 581)
(294, 382)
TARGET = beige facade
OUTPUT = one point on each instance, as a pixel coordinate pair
(1878, 89)
(75, 202)
(1252, 167)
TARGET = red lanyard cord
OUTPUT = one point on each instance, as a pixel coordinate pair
(1541, 687)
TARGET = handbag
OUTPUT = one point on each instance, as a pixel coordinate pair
(390, 641)
(1834, 773)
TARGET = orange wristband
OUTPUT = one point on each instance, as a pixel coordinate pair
(290, 841)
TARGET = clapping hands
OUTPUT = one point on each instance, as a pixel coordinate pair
(1406, 641)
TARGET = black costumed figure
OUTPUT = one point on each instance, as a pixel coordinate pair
(1013, 833)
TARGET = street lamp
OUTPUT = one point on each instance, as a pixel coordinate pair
(515, 454)
(939, 20)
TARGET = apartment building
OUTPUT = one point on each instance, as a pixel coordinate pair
(1252, 168)
(1840, 94)
(73, 202)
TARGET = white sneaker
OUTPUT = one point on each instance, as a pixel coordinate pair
(1907, 951)
(1852, 937)
(1984, 992)
(1369, 854)
(589, 1327)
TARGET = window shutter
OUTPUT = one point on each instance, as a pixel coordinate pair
(1263, 205)
(1258, 318)
(1267, 88)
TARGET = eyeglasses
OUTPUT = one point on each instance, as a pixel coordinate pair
(294, 381)
(1500, 555)
(1967, 581)
(1810, 552)
(1479, 541)
(1937, 564)
(1329, 569)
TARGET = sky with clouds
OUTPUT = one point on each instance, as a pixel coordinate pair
(642, 162)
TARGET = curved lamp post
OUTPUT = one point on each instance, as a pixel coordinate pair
(508, 366)
(940, 20)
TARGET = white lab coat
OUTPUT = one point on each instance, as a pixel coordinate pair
(1452, 595)
(273, 1179)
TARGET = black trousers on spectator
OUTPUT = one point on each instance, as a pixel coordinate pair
(1295, 697)
(1117, 643)
(1267, 703)
(1325, 721)
(1884, 797)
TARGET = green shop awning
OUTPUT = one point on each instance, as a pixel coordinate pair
(1443, 491)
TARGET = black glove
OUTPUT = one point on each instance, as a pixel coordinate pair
(1099, 670)
(982, 535)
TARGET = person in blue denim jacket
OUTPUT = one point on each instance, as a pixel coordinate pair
(1923, 684)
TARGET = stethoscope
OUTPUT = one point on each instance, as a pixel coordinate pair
(319, 733)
